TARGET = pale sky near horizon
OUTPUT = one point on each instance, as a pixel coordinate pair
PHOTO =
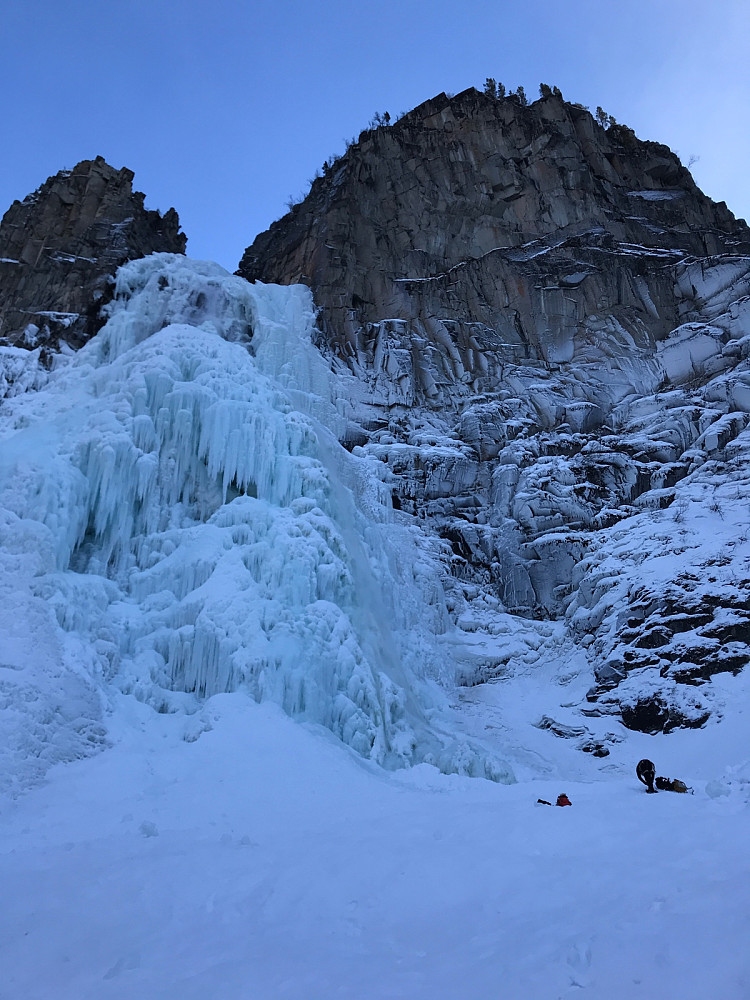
(225, 109)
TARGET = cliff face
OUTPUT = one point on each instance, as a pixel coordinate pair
(60, 246)
(542, 328)
(493, 231)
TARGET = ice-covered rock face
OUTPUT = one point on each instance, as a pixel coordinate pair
(539, 325)
(515, 437)
(175, 499)
(609, 496)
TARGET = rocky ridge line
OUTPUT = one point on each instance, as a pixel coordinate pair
(62, 244)
(482, 230)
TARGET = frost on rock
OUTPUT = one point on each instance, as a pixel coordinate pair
(176, 499)
(20, 371)
(532, 466)
(664, 600)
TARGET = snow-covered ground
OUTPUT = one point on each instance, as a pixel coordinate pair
(264, 860)
(220, 651)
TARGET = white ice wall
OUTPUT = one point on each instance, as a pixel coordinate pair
(193, 522)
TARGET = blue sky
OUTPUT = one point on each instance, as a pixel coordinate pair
(226, 108)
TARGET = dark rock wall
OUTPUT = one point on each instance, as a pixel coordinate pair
(511, 275)
(511, 223)
(60, 246)
(541, 327)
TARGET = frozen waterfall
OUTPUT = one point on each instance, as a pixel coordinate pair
(176, 502)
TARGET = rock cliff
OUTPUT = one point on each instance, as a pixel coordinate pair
(540, 325)
(60, 246)
(485, 230)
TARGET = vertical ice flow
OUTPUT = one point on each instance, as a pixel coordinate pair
(194, 499)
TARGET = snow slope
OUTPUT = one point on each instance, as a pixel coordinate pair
(263, 860)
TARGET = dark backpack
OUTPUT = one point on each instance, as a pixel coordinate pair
(671, 785)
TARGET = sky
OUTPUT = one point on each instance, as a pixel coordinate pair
(226, 109)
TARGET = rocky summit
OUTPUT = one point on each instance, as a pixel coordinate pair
(476, 226)
(540, 325)
(60, 248)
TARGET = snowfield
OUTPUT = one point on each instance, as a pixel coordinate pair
(247, 720)
(264, 860)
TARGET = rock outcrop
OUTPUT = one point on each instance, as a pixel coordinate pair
(541, 326)
(484, 231)
(61, 245)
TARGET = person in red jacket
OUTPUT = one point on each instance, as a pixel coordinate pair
(562, 800)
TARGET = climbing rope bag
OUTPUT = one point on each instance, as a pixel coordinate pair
(671, 785)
